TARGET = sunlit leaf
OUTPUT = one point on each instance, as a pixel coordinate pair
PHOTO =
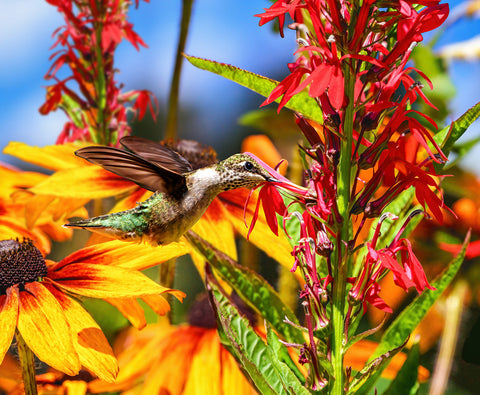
(244, 344)
(406, 380)
(301, 102)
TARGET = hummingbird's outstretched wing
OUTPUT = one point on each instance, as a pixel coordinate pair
(133, 167)
(157, 154)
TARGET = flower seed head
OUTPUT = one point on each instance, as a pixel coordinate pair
(20, 263)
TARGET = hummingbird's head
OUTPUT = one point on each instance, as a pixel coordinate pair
(242, 171)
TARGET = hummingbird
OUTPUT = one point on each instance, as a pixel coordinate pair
(181, 193)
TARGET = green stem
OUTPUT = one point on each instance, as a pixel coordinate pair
(341, 255)
(172, 114)
(27, 362)
(101, 135)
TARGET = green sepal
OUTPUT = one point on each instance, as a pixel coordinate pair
(301, 102)
(406, 380)
(252, 288)
(400, 329)
(243, 343)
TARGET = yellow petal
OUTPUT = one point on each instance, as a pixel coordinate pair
(99, 281)
(127, 255)
(8, 319)
(54, 157)
(276, 247)
(12, 180)
(88, 339)
(76, 387)
(215, 228)
(86, 182)
(43, 325)
(34, 207)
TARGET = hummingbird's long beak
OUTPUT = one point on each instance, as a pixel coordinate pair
(271, 179)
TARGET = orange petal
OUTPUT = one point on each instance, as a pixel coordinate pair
(88, 339)
(358, 354)
(8, 319)
(54, 157)
(100, 281)
(232, 377)
(261, 146)
(11, 228)
(137, 357)
(131, 310)
(126, 255)
(130, 201)
(159, 304)
(172, 365)
(43, 325)
(276, 247)
(86, 182)
(205, 371)
(10, 374)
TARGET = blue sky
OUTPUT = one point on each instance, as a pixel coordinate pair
(220, 30)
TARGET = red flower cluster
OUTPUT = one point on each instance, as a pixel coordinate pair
(96, 105)
(371, 43)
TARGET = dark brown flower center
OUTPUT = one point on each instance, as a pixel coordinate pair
(201, 313)
(20, 263)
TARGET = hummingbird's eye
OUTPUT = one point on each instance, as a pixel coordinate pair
(248, 165)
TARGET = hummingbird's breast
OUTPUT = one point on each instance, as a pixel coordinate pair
(170, 217)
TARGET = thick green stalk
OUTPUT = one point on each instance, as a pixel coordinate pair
(172, 114)
(341, 257)
(27, 363)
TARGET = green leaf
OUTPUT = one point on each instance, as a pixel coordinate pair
(406, 380)
(400, 329)
(450, 134)
(252, 288)
(301, 102)
(291, 377)
(244, 344)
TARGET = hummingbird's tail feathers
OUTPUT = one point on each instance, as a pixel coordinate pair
(112, 225)
(131, 166)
